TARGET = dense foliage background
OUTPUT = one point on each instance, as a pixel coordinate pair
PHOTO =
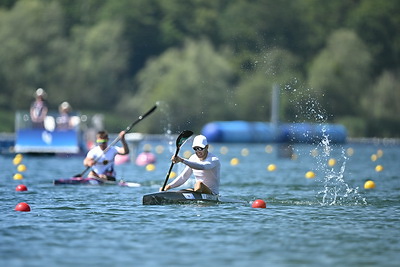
(205, 60)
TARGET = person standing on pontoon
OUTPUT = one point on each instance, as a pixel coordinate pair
(39, 109)
(204, 165)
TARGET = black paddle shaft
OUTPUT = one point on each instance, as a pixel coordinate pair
(118, 138)
(179, 142)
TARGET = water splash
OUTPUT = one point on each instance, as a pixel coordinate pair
(335, 191)
(166, 124)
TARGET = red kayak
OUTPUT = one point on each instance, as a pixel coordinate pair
(91, 181)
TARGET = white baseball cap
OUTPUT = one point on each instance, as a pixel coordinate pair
(40, 92)
(200, 141)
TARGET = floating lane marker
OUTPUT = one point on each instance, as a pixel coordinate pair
(234, 161)
(172, 175)
(259, 203)
(245, 152)
(223, 150)
(21, 168)
(268, 149)
(271, 167)
(379, 168)
(150, 167)
(23, 206)
(310, 175)
(17, 159)
(369, 184)
(331, 162)
(350, 151)
(21, 187)
(18, 176)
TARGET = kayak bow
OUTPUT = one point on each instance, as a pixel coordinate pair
(91, 181)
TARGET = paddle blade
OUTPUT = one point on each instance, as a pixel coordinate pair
(183, 137)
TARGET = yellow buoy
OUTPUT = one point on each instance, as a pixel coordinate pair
(314, 153)
(172, 175)
(147, 147)
(17, 160)
(332, 162)
(150, 167)
(369, 184)
(245, 152)
(159, 149)
(234, 161)
(310, 175)
(21, 168)
(379, 153)
(350, 151)
(268, 149)
(223, 150)
(18, 176)
(271, 167)
(187, 154)
(374, 157)
(379, 168)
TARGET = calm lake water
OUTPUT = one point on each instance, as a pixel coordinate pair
(330, 220)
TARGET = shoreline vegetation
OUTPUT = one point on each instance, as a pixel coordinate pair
(330, 61)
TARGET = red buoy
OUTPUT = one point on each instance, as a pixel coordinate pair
(21, 187)
(22, 207)
(259, 203)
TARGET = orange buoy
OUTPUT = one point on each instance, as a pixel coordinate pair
(259, 203)
(22, 207)
(21, 187)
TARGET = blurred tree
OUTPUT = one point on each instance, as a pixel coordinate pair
(31, 49)
(382, 105)
(320, 19)
(341, 73)
(81, 51)
(94, 73)
(7, 3)
(78, 12)
(193, 83)
(189, 18)
(251, 27)
(378, 23)
(253, 95)
(141, 20)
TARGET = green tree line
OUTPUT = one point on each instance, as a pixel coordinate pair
(205, 60)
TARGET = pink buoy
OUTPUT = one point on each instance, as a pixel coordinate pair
(22, 207)
(145, 158)
(121, 159)
(21, 187)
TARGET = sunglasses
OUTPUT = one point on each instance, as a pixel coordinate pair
(198, 148)
(101, 141)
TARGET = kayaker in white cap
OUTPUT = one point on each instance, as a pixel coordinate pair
(203, 165)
